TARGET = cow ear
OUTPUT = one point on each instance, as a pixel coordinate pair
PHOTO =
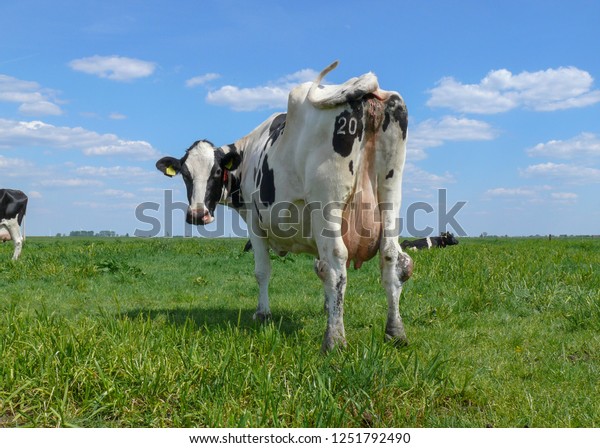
(169, 166)
(231, 161)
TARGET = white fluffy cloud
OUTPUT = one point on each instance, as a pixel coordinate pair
(37, 133)
(33, 99)
(431, 133)
(564, 196)
(116, 68)
(40, 108)
(566, 173)
(415, 176)
(112, 171)
(273, 95)
(120, 194)
(135, 149)
(583, 145)
(511, 192)
(12, 166)
(202, 79)
(501, 90)
(70, 183)
(33, 194)
(533, 194)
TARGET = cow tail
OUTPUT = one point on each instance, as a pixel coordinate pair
(332, 96)
(312, 97)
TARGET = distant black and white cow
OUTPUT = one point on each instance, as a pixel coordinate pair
(324, 179)
(445, 239)
(13, 205)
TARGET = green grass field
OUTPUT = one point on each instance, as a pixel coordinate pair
(159, 333)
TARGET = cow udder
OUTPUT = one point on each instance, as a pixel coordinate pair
(361, 228)
(361, 219)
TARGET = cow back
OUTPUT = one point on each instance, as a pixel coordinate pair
(13, 204)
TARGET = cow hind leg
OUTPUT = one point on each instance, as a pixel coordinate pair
(396, 268)
(396, 265)
(331, 269)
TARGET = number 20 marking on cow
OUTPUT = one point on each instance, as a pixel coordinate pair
(351, 123)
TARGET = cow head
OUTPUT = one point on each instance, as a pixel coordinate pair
(448, 239)
(204, 169)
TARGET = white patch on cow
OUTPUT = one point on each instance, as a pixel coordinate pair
(429, 244)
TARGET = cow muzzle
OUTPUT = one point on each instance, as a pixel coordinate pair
(199, 216)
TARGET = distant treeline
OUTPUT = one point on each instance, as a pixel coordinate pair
(486, 235)
(88, 233)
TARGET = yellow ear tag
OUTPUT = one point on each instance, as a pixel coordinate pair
(170, 171)
(229, 164)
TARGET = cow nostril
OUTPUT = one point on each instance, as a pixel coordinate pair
(198, 216)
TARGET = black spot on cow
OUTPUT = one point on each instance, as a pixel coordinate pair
(188, 181)
(390, 174)
(396, 110)
(236, 193)
(339, 289)
(347, 128)
(386, 121)
(351, 167)
(276, 128)
(401, 116)
(267, 183)
(214, 184)
(232, 148)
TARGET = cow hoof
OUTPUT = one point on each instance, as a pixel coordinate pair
(397, 341)
(262, 317)
(331, 341)
(329, 345)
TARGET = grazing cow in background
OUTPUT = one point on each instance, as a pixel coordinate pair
(445, 239)
(13, 205)
(324, 179)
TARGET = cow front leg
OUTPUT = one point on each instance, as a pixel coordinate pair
(331, 269)
(396, 268)
(262, 272)
(15, 235)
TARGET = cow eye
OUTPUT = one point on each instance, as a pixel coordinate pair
(218, 172)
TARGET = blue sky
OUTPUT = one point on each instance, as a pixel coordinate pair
(503, 98)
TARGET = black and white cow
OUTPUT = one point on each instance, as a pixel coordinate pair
(445, 239)
(13, 205)
(324, 179)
